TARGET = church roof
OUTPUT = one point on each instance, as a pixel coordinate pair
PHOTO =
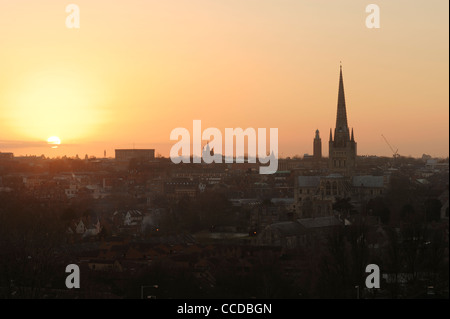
(286, 229)
(319, 222)
(309, 181)
(335, 175)
(368, 181)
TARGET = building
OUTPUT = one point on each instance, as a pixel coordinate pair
(133, 218)
(177, 188)
(366, 187)
(342, 147)
(6, 156)
(317, 147)
(126, 155)
(307, 232)
(314, 195)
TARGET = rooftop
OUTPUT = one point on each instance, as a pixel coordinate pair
(318, 222)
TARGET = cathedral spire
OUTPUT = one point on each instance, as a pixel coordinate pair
(342, 146)
(341, 117)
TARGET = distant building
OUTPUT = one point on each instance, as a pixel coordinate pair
(6, 155)
(342, 148)
(177, 188)
(434, 165)
(366, 187)
(83, 228)
(314, 195)
(317, 146)
(299, 233)
(126, 155)
(132, 218)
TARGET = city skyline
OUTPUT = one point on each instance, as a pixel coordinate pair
(218, 150)
(134, 72)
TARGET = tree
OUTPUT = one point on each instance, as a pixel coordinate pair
(434, 255)
(378, 207)
(413, 235)
(357, 236)
(68, 214)
(30, 246)
(408, 214)
(433, 209)
(393, 260)
(344, 206)
(334, 280)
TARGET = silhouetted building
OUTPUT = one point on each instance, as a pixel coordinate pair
(317, 146)
(314, 195)
(6, 155)
(342, 148)
(140, 154)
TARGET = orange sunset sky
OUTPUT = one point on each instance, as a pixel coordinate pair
(137, 69)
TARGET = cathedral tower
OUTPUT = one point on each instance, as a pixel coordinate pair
(342, 149)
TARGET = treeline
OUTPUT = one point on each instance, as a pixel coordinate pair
(31, 236)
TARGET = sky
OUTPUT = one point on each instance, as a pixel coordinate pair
(137, 69)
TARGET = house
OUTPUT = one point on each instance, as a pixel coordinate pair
(302, 232)
(289, 203)
(72, 191)
(133, 218)
(317, 229)
(366, 187)
(76, 227)
(93, 229)
(284, 234)
(82, 227)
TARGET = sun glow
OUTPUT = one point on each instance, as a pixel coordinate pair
(54, 141)
(50, 101)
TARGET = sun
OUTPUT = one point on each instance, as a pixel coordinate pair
(54, 141)
(61, 100)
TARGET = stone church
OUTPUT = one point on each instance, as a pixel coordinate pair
(314, 195)
(342, 149)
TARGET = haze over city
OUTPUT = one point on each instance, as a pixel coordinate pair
(136, 70)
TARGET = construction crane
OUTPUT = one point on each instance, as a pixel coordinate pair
(395, 153)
